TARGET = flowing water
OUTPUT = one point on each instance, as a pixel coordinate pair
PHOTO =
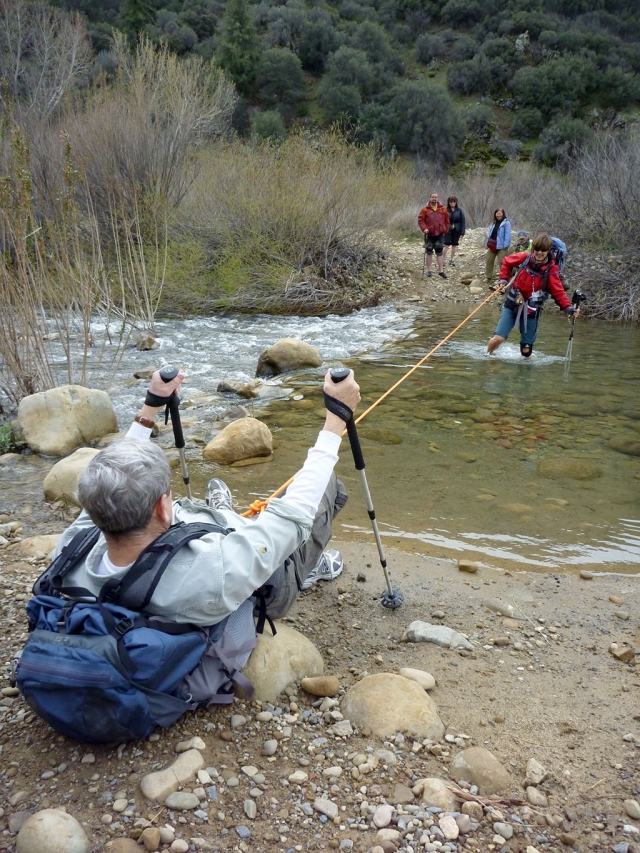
(498, 459)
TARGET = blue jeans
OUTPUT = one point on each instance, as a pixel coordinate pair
(507, 321)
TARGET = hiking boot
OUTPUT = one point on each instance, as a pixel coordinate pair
(442, 274)
(218, 495)
(329, 566)
(428, 273)
(452, 263)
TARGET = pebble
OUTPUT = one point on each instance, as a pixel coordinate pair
(237, 721)
(623, 615)
(243, 831)
(18, 797)
(264, 717)
(89, 758)
(250, 809)
(424, 679)
(631, 830)
(535, 772)
(449, 827)
(464, 823)
(632, 809)
(298, 777)
(249, 770)
(467, 566)
(382, 816)
(615, 599)
(180, 800)
(269, 747)
(194, 743)
(326, 807)
(322, 685)
(179, 846)
(587, 576)
(167, 834)
(151, 839)
(201, 814)
(503, 829)
(536, 797)
(622, 847)
(120, 805)
(157, 786)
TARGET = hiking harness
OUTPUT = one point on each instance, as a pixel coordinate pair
(515, 299)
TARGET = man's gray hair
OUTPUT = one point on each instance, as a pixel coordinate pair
(122, 484)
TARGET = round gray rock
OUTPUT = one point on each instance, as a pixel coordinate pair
(182, 800)
(480, 767)
(52, 831)
(286, 355)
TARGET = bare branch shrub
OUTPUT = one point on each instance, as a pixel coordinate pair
(290, 227)
(137, 137)
(45, 54)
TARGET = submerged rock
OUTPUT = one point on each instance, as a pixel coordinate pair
(565, 467)
(628, 444)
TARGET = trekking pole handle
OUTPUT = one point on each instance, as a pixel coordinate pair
(168, 373)
(339, 374)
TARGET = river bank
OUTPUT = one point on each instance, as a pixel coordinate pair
(540, 683)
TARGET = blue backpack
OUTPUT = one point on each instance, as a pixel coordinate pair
(102, 670)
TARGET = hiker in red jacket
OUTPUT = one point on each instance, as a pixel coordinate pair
(434, 224)
(531, 276)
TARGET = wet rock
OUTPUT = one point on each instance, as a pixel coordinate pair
(388, 703)
(278, 661)
(441, 635)
(286, 355)
(61, 483)
(58, 421)
(326, 685)
(36, 546)
(144, 373)
(536, 773)
(182, 800)
(249, 390)
(424, 679)
(233, 413)
(434, 792)
(157, 786)
(565, 467)
(381, 436)
(627, 444)
(467, 566)
(480, 767)
(246, 438)
(145, 342)
(52, 831)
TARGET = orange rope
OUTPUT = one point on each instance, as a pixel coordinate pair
(260, 505)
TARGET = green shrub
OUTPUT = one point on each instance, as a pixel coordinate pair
(527, 124)
(9, 440)
(268, 126)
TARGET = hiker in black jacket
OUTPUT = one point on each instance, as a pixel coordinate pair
(457, 227)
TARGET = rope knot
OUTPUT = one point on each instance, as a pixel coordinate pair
(258, 506)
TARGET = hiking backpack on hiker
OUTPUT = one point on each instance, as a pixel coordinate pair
(102, 669)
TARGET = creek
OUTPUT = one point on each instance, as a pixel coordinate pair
(498, 459)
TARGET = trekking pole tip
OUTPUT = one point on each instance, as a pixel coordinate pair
(392, 600)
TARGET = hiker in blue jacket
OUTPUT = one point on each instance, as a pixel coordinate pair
(498, 242)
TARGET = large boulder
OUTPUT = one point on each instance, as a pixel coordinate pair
(38, 546)
(52, 831)
(480, 767)
(566, 467)
(145, 341)
(55, 422)
(388, 703)
(61, 483)
(286, 355)
(245, 438)
(278, 661)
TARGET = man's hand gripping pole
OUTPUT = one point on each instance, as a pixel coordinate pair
(391, 597)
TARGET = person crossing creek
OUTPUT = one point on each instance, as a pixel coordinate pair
(527, 278)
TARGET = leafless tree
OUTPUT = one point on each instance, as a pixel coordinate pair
(45, 53)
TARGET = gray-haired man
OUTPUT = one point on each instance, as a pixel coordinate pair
(125, 491)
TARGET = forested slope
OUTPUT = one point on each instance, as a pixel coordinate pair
(412, 75)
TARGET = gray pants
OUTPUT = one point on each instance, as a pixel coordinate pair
(284, 585)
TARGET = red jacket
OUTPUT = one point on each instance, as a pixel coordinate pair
(531, 278)
(436, 222)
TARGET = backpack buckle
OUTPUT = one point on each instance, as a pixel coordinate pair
(123, 626)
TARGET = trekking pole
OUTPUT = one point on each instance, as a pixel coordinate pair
(391, 597)
(173, 409)
(578, 297)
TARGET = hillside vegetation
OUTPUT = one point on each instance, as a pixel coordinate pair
(406, 74)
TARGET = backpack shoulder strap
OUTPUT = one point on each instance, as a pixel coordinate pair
(135, 589)
(50, 581)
